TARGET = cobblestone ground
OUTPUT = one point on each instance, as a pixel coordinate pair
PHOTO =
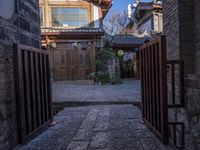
(128, 91)
(109, 127)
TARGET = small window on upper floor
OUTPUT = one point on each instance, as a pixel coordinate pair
(69, 17)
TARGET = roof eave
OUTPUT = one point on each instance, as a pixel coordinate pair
(107, 9)
(127, 45)
(72, 33)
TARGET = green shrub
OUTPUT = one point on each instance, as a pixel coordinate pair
(103, 58)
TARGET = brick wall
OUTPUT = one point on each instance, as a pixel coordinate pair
(182, 28)
(186, 35)
(178, 26)
(171, 28)
(197, 34)
(23, 27)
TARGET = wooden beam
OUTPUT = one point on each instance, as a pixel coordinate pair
(73, 33)
(100, 2)
(108, 8)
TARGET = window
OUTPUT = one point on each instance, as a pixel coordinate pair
(69, 17)
(156, 22)
(41, 16)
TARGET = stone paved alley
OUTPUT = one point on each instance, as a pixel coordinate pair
(110, 127)
(97, 127)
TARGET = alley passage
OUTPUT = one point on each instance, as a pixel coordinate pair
(108, 127)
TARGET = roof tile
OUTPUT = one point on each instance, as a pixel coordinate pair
(77, 30)
(127, 40)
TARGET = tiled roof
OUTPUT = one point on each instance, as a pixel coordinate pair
(145, 4)
(78, 30)
(127, 40)
(149, 4)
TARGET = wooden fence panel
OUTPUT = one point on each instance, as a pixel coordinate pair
(154, 87)
(162, 88)
(33, 90)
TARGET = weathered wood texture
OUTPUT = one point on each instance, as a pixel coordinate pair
(33, 89)
(71, 63)
(154, 87)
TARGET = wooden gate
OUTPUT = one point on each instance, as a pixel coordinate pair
(154, 87)
(70, 63)
(33, 90)
(162, 89)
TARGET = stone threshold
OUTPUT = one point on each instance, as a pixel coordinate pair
(74, 104)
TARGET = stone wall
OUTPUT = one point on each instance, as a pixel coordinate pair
(20, 25)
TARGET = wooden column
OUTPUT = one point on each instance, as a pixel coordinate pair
(138, 65)
(93, 56)
(47, 14)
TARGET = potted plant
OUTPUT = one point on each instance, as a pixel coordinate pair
(92, 75)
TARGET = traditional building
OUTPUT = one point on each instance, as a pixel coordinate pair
(145, 22)
(72, 30)
(129, 44)
(145, 18)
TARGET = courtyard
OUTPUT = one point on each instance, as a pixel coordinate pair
(81, 92)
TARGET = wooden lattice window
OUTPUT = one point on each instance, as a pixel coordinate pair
(69, 17)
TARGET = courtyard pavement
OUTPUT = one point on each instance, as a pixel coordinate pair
(107, 127)
(127, 92)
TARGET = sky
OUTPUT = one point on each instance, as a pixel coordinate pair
(121, 5)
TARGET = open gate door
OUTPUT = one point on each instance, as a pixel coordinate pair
(33, 90)
(154, 87)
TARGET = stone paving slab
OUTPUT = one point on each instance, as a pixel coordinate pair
(108, 127)
(128, 91)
